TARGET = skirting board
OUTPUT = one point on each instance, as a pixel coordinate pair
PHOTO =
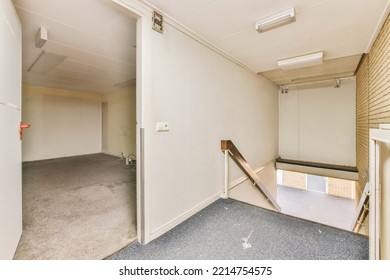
(112, 154)
(174, 222)
(61, 157)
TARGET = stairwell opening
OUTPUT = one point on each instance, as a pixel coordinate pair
(324, 200)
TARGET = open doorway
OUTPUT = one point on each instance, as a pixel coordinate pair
(79, 156)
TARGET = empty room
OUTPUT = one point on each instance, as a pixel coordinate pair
(155, 129)
(79, 153)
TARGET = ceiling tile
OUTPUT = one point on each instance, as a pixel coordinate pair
(229, 17)
(181, 9)
(100, 39)
(338, 27)
(99, 45)
(330, 69)
(87, 15)
(325, 27)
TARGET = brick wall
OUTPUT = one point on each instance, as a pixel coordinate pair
(294, 180)
(379, 79)
(372, 98)
(341, 188)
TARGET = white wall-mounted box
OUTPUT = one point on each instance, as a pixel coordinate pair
(162, 126)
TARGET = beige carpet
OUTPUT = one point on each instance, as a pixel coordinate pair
(77, 208)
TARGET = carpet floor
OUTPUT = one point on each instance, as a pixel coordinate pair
(77, 208)
(241, 231)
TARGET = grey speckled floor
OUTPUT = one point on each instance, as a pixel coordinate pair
(79, 207)
(216, 232)
(318, 207)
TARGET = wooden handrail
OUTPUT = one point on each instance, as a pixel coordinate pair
(248, 170)
(318, 165)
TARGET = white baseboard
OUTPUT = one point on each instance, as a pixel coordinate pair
(60, 157)
(112, 154)
(174, 222)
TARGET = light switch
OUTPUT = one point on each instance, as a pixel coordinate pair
(162, 126)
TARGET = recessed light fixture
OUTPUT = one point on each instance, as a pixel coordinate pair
(276, 20)
(46, 62)
(301, 61)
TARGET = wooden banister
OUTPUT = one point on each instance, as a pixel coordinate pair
(248, 170)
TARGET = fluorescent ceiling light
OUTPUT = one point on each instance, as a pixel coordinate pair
(301, 61)
(276, 20)
(46, 62)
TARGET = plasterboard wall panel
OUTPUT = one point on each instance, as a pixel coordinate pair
(63, 123)
(205, 98)
(121, 123)
(318, 124)
(289, 126)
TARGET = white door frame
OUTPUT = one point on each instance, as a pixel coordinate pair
(143, 14)
(377, 136)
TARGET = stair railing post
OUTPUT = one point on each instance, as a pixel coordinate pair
(226, 186)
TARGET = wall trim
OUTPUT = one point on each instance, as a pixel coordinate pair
(62, 157)
(178, 220)
(111, 154)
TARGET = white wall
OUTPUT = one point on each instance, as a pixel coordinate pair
(121, 122)
(63, 123)
(318, 124)
(205, 98)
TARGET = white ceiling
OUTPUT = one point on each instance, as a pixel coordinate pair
(98, 40)
(339, 28)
